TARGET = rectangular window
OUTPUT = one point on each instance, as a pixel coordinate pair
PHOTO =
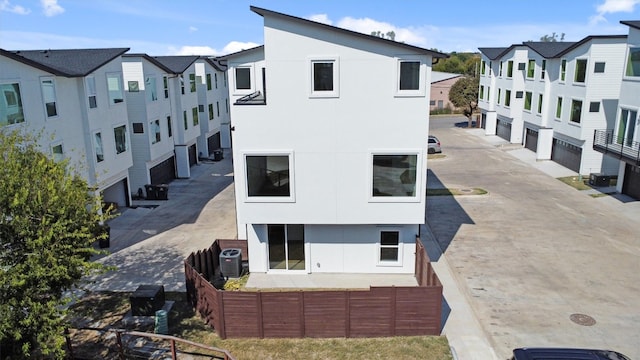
(531, 68)
(133, 86)
(489, 93)
(563, 69)
(120, 135)
(559, 108)
(594, 106)
(598, 67)
(576, 111)
(394, 175)
(527, 100)
(169, 127)
(481, 92)
(268, 175)
(97, 138)
(581, 70)
(409, 75)
(633, 62)
(138, 128)
(539, 103)
(209, 83)
(155, 131)
(389, 246)
(626, 127)
(499, 95)
(243, 78)
(519, 94)
(215, 79)
(218, 108)
(226, 101)
(49, 96)
(90, 82)
(192, 82)
(11, 111)
(181, 84)
(211, 117)
(114, 85)
(151, 89)
(543, 69)
(225, 79)
(165, 85)
(500, 69)
(482, 67)
(194, 114)
(507, 98)
(510, 68)
(186, 121)
(57, 152)
(323, 76)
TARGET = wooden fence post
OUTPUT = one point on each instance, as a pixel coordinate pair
(120, 347)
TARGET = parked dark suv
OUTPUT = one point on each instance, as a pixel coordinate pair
(566, 353)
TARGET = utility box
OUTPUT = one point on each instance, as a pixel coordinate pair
(146, 300)
(231, 262)
(597, 179)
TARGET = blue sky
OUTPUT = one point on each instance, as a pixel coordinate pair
(217, 27)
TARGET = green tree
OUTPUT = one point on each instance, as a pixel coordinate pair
(552, 38)
(464, 95)
(459, 63)
(48, 222)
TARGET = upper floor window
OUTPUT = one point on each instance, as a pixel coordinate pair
(500, 69)
(410, 77)
(598, 67)
(563, 69)
(531, 69)
(481, 92)
(90, 82)
(527, 100)
(169, 127)
(181, 84)
(243, 78)
(194, 115)
(499, 94)
(507, 98)
(120, 136)
(633, 62)
(49, 96)
(483, 65)
(510, 68)
(543, 69)
(394, 175)
(324, 77)
(114, 85)
(185, 120)
(268, 175)
(209, 83)
(165, 86)
(539, 103)
(155, 131)
(559, 107)
(581, 70)
(576, 111)
(215, 79)
(97, 142)
(192, 82)
(151, 89)
(210, 107)
(11, 111)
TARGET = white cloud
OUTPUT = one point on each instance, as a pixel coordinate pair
(51, 7)
(5, 5)
(193, 29)
(611, 7)
(321, 18)
(196, 50)
(230, 48)
(367, 26)
(235, 46)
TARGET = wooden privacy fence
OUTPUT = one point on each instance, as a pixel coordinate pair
(377, 312)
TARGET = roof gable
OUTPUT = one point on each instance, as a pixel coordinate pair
(549, 49)
(68, 63)
(177, 64)
(264, 12)
(492, 52)
(632, 23)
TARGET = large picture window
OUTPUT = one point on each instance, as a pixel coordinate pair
(394, 175)
(11, 111)
(120, 135)
(268, 175)
(633, 62)
(114, 85)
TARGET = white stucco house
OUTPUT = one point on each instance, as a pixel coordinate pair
(619, 141)
(329, 132)
(75, 101)
(551, 96)
(213, 103)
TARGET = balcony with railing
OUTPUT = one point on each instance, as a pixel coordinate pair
(620, 147)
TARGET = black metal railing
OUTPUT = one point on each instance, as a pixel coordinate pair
(606, 142)
(255, 98)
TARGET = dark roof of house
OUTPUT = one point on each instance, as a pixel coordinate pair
(214, 62)
(151, 59)
(549, 49)
(632, 23)
(241, 52)
(68, 63)
(177, 64)
(493, 52)
(263, 12)
(587, 39)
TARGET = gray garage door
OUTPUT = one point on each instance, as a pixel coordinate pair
(164, 172)
(503, 129)
(567, 155)
(531, 141)
(631, 185)
(213, 143)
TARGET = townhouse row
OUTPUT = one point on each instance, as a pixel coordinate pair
(574, 103)
(122, 120)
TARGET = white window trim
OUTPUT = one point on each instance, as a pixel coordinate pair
(535, 65)
(387, 263)
(582, 114)
(95, 154)
(562, 107)
(55, 96)
(89, 93)
(422, 84)
(126, 140)
(566, 70)
(270, 199)
(252, 78)
(336, 76)
(117, 76)
(397, 199)
(54, 144)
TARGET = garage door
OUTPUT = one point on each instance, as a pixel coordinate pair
(164, 172)
(213, 143)
(531, 141)
(503, 129)
(567, 155)
(631, 185)
(192, 155)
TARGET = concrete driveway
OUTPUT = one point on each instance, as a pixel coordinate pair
(540, 263)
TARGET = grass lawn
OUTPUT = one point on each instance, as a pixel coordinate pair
(106, 310)
(577, 182)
